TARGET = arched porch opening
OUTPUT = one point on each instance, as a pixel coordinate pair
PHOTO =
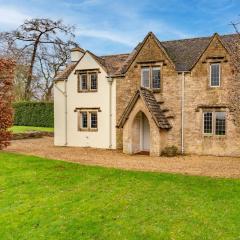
(140, 134)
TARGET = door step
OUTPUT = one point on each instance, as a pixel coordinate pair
(143, 153)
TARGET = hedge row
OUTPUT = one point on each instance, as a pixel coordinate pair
(37, 114)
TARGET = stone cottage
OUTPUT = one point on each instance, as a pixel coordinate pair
(163, 93)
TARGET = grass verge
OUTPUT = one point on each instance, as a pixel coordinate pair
(48, 199)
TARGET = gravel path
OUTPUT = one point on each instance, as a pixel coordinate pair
(228, 167)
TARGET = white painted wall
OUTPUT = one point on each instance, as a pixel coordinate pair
(99, 139)
(59, 114)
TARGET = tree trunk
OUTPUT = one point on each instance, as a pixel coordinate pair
(48, 95)
(27, 92)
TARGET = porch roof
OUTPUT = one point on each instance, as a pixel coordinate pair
(152, 105)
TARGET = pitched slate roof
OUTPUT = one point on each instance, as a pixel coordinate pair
(113, 63)
(186, 52)
(183, 53)
(66, 72)
(152, 105)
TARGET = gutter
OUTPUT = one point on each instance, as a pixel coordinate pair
(110, 81)
(65, 106)
(182, 111)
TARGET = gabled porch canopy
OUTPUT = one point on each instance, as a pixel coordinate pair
(152, 105)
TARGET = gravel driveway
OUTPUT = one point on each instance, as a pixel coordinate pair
(193, 165)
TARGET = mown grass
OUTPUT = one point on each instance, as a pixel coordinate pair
(47, 199)
(24, 129)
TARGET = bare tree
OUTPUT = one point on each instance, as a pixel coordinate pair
(38, 39)
(49, 65)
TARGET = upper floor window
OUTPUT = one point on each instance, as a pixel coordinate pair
(93, 81)
(83, 81)
(214, 123)
(156, 77)
(215, 75)
(88, 82)
(145, 77)
(151, 77)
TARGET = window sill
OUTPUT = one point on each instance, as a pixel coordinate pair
(87, 91)
(214, 135)
(214, 87)
(156, 90)
(87, 130)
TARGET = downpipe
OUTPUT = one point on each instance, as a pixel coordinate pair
(182, 111)
(110, 81)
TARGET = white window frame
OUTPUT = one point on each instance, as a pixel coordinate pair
(214, 123)
(158, 68)
(212, 133)
(150, 69)
(219, 84)
(149, 76)
(225, 119)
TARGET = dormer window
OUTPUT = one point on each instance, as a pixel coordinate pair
(88, 82)
(215, 74)
(151, 77)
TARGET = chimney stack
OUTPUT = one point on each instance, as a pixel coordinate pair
(76, 54)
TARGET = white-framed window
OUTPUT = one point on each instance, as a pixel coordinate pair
(151, 77)
(88, 82)
(214, 123)
(145, 77)
(207, 122)
(215, 74)
(156, 77)
(220, 127)
(88, 120)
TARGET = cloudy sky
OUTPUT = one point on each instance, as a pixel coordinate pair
(107, 27)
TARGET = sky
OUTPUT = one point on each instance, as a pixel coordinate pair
(110, 27)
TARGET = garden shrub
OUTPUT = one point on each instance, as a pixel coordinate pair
(37, 114)
(170, 151)
(6, 83)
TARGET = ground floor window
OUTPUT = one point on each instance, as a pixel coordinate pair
(88, 120)
(214, 123)
(93, 116)
(84, 120)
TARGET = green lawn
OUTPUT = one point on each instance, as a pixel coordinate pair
(23, 129)
(42, 199)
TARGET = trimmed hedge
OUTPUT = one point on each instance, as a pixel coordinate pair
(37, 114)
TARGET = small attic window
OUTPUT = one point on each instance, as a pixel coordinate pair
(215, 75)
